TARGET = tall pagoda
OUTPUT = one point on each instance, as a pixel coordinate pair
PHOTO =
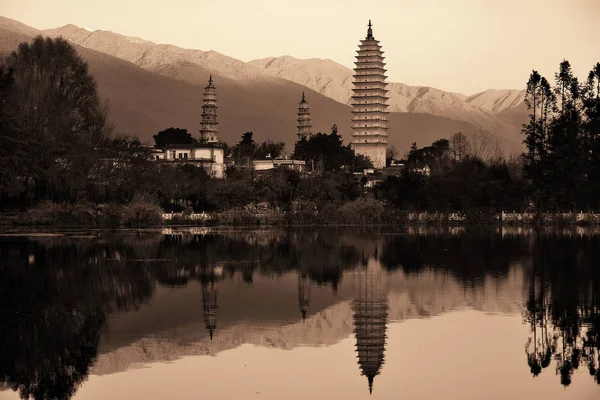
(369, 115)
(304, 126)
(370, 308)
(209, 125)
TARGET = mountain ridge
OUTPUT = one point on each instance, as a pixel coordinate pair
(250, 98)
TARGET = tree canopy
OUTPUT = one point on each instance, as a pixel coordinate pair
(52, 118)
(247, 149)
(563, 139)
(328, 153)
(173, 136)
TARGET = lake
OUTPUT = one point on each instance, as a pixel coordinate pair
(381, 313)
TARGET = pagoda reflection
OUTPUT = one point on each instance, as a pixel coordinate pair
(303, 293)
(209, 282)
(370, 308)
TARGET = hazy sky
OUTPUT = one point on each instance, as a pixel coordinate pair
(457, 45)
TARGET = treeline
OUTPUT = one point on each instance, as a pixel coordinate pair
(451, 176)
(562, 163)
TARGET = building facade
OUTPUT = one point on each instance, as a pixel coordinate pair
(369, 115)
(210, 156)
(270, 163)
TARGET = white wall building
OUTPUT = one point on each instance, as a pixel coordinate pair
(210, 156)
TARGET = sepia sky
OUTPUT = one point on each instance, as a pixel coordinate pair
(462, 46)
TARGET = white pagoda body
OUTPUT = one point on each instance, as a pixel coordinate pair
(369, 115)
(209, 125)
(304, 126)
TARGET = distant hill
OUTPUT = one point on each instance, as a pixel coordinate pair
(151, 87)
(498, 111)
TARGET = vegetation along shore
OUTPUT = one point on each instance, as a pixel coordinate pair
(63, 164)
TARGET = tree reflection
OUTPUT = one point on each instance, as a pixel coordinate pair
(562, 306)
(56, 295)
(54, 300)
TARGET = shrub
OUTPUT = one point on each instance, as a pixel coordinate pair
(111, 215)
(60, 214)
(141, 214)
(362, 211)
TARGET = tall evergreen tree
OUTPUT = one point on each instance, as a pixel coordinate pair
(565, 145)
(591, 134)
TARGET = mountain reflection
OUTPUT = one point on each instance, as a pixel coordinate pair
(60, 296)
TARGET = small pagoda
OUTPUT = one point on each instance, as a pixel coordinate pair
(304, 126)
(209, 125)
(369, 115)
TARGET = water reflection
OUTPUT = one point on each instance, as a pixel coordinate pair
(370, 308)
(74, 306)
(562, 305)
(303, 293)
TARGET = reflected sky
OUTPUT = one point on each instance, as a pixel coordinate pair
(440, 314)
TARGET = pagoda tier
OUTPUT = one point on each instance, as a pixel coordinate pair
(369, 102)
(373, 119)
(361, 87)
(304, 126)
(368, 97)
(367, 111)
(209, 126)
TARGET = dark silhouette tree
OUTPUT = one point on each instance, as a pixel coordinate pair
(173, 136)
(591, 134)
(243, 152)
(269, 148)
(326, 152)
(54, 116)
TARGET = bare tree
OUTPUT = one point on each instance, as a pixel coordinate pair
(460, 148)
(485, 146)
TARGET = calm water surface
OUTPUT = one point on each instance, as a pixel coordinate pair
(318, 314)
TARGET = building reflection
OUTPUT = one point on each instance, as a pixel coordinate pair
(370, 312)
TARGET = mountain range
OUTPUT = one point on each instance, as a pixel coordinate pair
(150, 87)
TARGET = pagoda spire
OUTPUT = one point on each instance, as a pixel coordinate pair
(304, 125)
(209, 125)
(370, 32)
(369, 115)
